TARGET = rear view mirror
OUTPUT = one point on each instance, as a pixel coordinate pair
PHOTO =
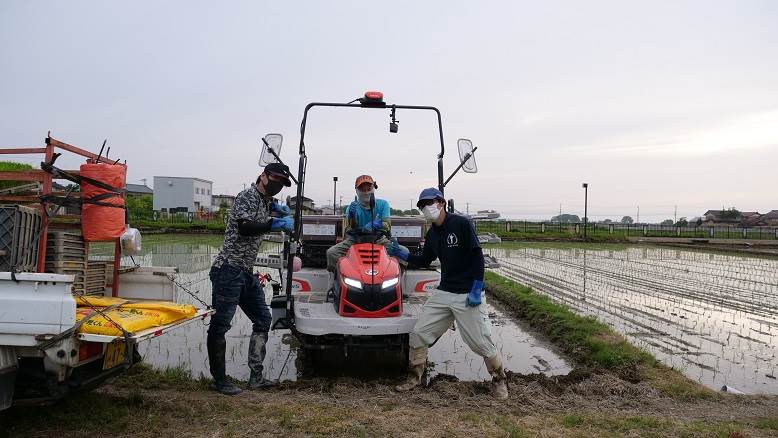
(467, 156)
(271, 149)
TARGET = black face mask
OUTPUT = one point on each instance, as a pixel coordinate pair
(272, 188)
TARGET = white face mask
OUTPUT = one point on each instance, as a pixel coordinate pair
(364, 197)
(431, 212)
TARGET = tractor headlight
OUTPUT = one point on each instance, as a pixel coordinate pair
(389, 283)
(353, 283)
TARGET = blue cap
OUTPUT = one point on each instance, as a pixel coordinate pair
(429, 193)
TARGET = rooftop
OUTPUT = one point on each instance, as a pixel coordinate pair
(139, 188)
(184, 177)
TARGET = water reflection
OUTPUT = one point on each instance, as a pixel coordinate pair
(713, 316)
(186, 347)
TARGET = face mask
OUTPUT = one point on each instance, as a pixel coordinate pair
(272, 188)
(364, 197)
(431, 212)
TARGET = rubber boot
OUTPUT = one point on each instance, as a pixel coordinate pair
(217, 349)
(257, 351)
(417, 361)
(499, 380)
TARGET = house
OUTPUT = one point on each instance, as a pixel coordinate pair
(328, 210)
(725, 217)
(763, 220)
(770, 219)
(308, 205)
(139, 190)
(175, 194)
(218, 200)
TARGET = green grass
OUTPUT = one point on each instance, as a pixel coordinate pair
(597, 425)
(768, 424)
(12, 166)
(587, 340)
(552, 235)
(142, 376)
(106, 413)
(214, 226)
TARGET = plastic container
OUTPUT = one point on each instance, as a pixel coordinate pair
(131, 241)
(100, 223)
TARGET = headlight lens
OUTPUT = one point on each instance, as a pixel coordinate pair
(353, 283)
(389, 283)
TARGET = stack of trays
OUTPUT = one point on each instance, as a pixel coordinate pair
(96, 275)
(66, 253)
(19, 233)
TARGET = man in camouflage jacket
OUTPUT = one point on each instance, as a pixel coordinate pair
(233, 280)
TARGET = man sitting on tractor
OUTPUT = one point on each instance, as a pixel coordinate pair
(362, 219)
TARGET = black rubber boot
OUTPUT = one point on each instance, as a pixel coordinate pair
(217, 350)
(257, 351)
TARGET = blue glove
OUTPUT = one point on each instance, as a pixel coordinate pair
(395, 250)
(474, 297)
(374, 225)
(352, 210)
(282, 224)
(283, 210)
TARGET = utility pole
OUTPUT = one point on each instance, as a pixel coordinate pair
(675, 215)
(468, 208)
(586, 205)
(638, 221)
(334, 194)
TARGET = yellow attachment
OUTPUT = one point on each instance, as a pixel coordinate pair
(99, 325)
(132, 316)
(185, 310)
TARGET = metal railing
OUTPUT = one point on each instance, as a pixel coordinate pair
(519, 228)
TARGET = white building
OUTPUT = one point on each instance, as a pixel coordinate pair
(182, 194)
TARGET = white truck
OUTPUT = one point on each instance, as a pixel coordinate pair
(43, 353)
(43, 357)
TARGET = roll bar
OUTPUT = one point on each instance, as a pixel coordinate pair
(290, 247)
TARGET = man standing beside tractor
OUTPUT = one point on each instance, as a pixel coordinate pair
(458, 297)
(234, 283)
(363, 218)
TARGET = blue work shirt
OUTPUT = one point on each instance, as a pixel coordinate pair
(364, 215)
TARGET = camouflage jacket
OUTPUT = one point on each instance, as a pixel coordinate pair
(241, 251)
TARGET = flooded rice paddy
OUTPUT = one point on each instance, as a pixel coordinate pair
(712, 316)
(192, 255)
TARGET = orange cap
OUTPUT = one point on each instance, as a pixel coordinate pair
(361, 179)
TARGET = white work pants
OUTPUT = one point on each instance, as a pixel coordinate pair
(441, 309)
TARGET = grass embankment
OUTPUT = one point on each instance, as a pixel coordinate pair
(179, 227)
(557, 236)
(589, 342)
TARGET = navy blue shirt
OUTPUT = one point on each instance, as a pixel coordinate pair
(456, 245)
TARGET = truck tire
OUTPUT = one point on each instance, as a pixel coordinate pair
(8, 370)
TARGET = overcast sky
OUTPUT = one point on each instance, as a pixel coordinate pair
(655, 104)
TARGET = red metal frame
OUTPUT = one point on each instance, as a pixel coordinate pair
(46, 179)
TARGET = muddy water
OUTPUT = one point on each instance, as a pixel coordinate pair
(186, 347)
(713, 316)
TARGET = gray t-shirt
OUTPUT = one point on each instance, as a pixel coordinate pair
(241, 251)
